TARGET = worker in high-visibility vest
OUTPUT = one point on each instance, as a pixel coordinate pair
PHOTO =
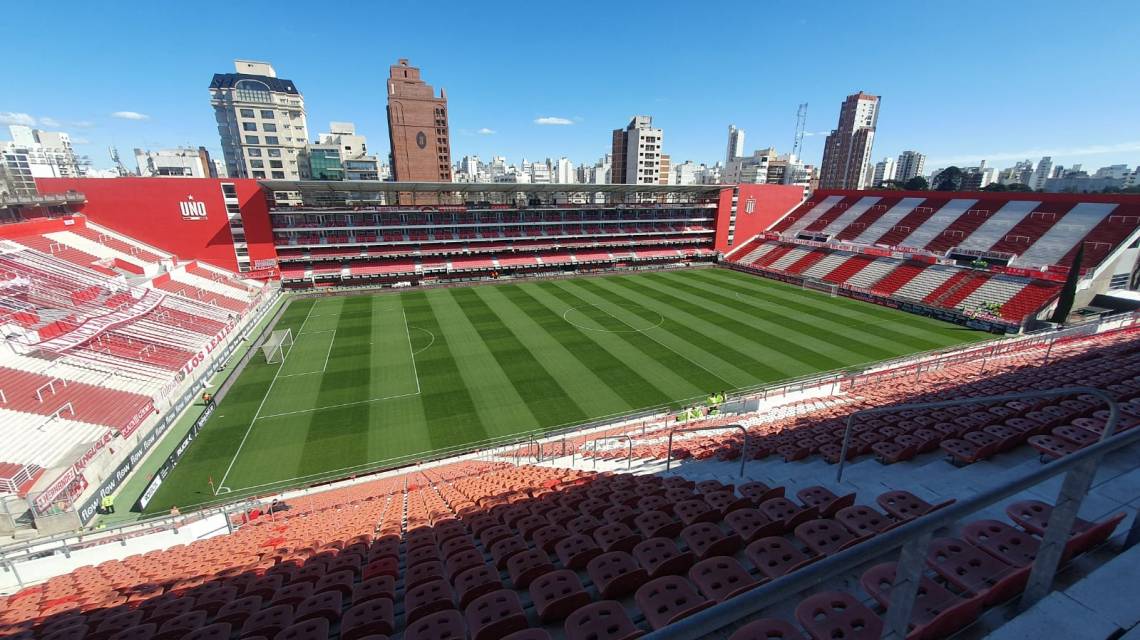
(108, 503)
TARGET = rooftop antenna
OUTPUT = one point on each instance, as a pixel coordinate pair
(801, 120)
(119, 166)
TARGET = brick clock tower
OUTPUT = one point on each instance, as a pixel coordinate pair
(417, 127)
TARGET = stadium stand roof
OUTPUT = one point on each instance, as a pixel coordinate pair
(377, 186)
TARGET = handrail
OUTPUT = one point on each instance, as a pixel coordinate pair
(914, 535)
(1048, 393)
(743, 451)
(629, 458)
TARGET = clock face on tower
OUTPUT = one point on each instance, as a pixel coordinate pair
(421, 140)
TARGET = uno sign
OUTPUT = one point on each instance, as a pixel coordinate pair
(192, 209)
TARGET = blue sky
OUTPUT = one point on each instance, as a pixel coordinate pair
(960, 82)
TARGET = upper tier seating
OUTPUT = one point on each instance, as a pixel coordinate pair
(1038, 230)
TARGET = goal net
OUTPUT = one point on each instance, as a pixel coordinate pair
(821, 286)
(277, 346)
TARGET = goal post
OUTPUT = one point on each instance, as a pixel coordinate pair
(829, 288)
(276, 347)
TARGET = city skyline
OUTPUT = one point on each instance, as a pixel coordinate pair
(157, 103)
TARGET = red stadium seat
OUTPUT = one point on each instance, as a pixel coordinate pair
(668, 599)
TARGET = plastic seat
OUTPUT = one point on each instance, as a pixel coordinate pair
(584, 524)
(1052, 447)
(445, 625)
(789, 513)
(667, 599)
(462, 561)
(720, 578)
(235, 612)
(706, 540)
(170, 609)
(622, 513)
(428, 597)
(547, 537)
(826, 502)
(138, 632)
(661, 557)
(526, 566)
(216, 631)
(385, 566)
(767, 629)
(502, 550)
(937, 612)
(292, 594)
(1033, 516)
(326, 604)
(491, 535)
(751, 524)
(268, 622)
(75, 631)
(575, 550)
(606, 620)
(311, 629)
(726, 501)
(178, 626)
(758, 492)
(373, 616)
(657, 524)
(378, 587)
(529, 634)
(970, 569)
(475, 582)
(775, 556)
(1002, 541)
(556, 594)
(616, 574)
(697, 510)
(904, 505)
(825, 537)
(425, 571)
(616, 536)
(835, 614)
(495, 615)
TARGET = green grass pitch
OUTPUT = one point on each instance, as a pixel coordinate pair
(376, 377)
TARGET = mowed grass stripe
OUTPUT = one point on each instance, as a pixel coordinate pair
(500, 407)
(215, 445)
(679, 335)
(806, 330)
(914, 331)
(588, 391)
(694, 324)
(616, 374)
(330, 433)
(447, 405)
(547, 400)
(669, 373)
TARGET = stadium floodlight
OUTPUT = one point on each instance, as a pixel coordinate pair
(276, 347)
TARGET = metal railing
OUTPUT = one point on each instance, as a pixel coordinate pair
(914, 537)
(629, 455)
(743, 451)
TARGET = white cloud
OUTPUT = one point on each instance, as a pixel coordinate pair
(1063, 152)
(130, 115)
(9, 117)
(486, 132)
(49, 122)
(553, 120)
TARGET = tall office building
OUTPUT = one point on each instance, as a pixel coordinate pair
(261, 122)
(417, 127)
(637, 153)
(909, 165)
(847, 151)
(1044, 172)
(735, 145)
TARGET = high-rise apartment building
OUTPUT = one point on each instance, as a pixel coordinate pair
(909, 165)
(564, 171)
(45, 154)
(847, 151)
(261, 122)
(884, 171)
(342, 154)
(183, 162)
(637, 153)
(417, 127)
(735, 145)
(1044, 172)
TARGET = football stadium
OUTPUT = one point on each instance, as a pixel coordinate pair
(527, 411)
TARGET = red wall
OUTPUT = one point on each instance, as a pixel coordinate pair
(149, 210)
(770, 203)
